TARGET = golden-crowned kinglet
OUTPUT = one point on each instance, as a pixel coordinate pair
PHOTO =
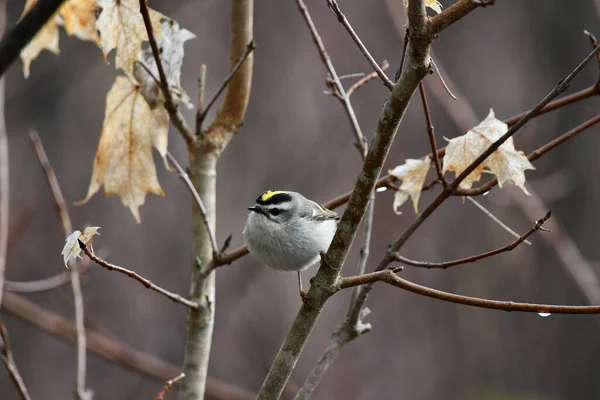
(286, 231)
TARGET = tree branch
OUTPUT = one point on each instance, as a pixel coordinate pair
(389, 276)
(250, 47)
(146, 282)
(186, 179)
(367, 78)
(325, 283)
(168, 384)
(534, 155)
(448, 264)
(452, 14)
(111, 349)
(21, 34)
(63, 213)
(335, 8)
(204, 156)
(9, 362)
(45, 284)
(431, 134)
(171, 107)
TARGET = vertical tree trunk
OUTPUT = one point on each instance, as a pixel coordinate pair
(203, 163)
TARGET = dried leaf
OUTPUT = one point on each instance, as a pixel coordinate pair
(124, 162)
(506, 163)
(71, 250)
(435, 5)
(412, 173)
(171, 52)
(46, 39)
(122, 27)
(79, 19)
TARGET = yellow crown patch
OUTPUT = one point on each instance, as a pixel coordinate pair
(270, 193)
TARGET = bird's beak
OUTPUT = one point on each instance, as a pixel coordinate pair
(255, 209)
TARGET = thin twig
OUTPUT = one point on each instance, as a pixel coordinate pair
(18, 37)
(447, 192)
(9, 362)
(431, 134)
(327, 278)
(558, 89)
(338, 88)
(200, 105)
(45, 284)
(534, 155)
(4, 187)
(63, 214)
(367, 78)
(335, 8)
(452, 14)
(439, 74)
(111, 349)
(168, 384)
(249, 49)
(186, 179)
(170, 105)
(342, 199)
(146, 282)
(390, 277)
(496, 219)
(471, 259)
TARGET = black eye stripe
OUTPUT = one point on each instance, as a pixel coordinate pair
(275, 211)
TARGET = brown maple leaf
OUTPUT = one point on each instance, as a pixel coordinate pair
(124, 162)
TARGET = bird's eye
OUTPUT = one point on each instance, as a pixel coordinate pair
(275, 211)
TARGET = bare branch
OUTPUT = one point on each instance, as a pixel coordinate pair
(111, 349)
(170, 105)
(186, 179)
(43, 285)
(9, 362)
(497, 220)
(200, 100)
(559, 88)
(63, 213)
(452, 14)
(390, 277)
(431, 134)
(367, 78)
(168, 385)
(4, 187)
(335, 8)
(534, 155)
(327, 278)
(467, 260)
(18, 37)
(203, 172)
(147, 283)
(250, 47)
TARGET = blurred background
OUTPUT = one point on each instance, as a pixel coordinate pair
(294, 137)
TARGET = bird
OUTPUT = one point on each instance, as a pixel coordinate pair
(288, 232)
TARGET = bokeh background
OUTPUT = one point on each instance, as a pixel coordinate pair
(294, 137)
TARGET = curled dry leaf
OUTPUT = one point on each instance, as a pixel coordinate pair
(171, 53)
(46, 39)
(506, 163)
(412, 173)
(79, 19)
(71, 250)
(121, 26)
(123, 161)
(435, 5)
